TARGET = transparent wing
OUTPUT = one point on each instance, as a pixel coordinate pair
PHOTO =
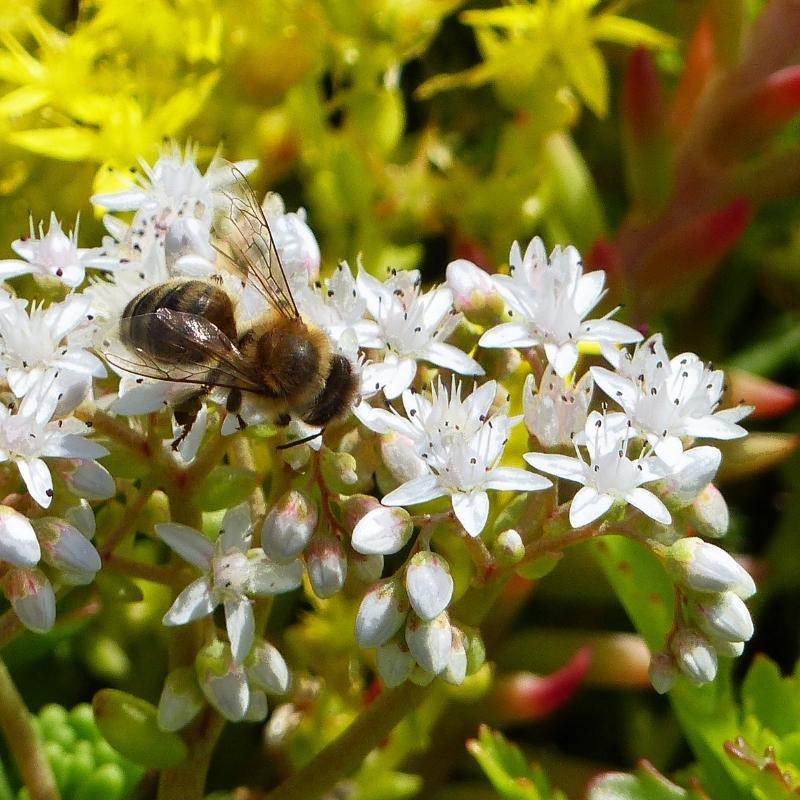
(208, 357)
(248, 244)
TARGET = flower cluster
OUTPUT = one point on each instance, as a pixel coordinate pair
(419, 438)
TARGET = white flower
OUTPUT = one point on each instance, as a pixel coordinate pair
(667, 399)
(29, 435)
(610, 476)
(54, 255)
(295, 241)
(550, 298)
(412, 326)
(35, 349)
(233, 573)
(557, 410)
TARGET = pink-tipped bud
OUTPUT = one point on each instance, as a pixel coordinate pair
(356, 507)
(430, 642)
(381, 613)
(704, 567)
(395, 662)
(180, 701)
(663, 671)
(695, 656)
(457, 664)
(400, 458)
(366, 568)
(327, 565)
(82, 517)
(508, 547)
(31, 597)
(267, 669)
(723, 616)
(223, 681)
(339, 471)
(384, 531)
(86, 479)
(68, 550)
(710, 516)
(429, 584)
(289, 526)
(474, 293)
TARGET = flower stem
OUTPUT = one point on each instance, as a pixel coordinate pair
(24, 742)
(345, 753)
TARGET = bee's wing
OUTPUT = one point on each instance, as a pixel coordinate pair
(249, 245)
(209, 357)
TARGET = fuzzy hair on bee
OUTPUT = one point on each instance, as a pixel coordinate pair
(186, 330)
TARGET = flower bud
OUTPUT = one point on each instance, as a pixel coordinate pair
(82, 517)
(430, 642)
(727, 649)
(327, 565)
(87, 479)
(456, 669)
(690, 474)
(474, 293)
(662, 672)
(695, 656)
(710, 514)
(400, 458)
(31, 597)
(267, 669)
(18, 543)
(339, 471)
(705, 567)
(180, 701)
(357, 506)
(429, 584)
(724, 616)
(381, 613)
(223, 682)
(289, 526)
(68, 550)
(284, 721)
(395, 663)
(508, 547)
(366, 568)
(382, 531)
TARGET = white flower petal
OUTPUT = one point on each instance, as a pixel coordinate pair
(450, 357)
(187, 543)
(472, 511)
(566, 467)
(194, 602)
(508, 334)
(18, 543)
(418, 490)
(587, 506)
(241, 626)
(515, 479)
(649, 504)
(37, 479)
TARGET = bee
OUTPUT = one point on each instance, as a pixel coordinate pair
(186, 331)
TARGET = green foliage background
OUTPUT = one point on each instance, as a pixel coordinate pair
(414, 132)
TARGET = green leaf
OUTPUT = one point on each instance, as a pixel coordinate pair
(771, 698)
(130, 726)
(507, 769)
(224, 487)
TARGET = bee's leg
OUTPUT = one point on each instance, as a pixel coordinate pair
(232, 406)
(185, 414)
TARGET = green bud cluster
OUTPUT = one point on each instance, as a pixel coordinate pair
(84, 764)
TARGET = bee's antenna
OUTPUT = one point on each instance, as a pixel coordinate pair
(297, 442)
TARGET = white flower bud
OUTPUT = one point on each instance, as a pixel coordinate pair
(509, 547)
(87, 479)
(727, 649)
(662, 672)
(381, 613)
(82, 517)
(289, 526)
(267, 669)
(705, 567)
(327, 565)
(710, 513)
(695, 656)
(395, 663)
(31, 597)
(382, 531)
(180, 701)
(68, 550)
(367, 568)
(284, 720)
(724, 616)
(457, 664)
(223, 681)
(429, 584)
(430, 642)
(473, 289)
(18, 543)
(258, 708)
(693, 470)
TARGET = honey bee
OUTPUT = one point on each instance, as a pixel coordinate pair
(186, 331)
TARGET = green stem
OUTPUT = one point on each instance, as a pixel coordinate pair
(24, 742)
(345, 753)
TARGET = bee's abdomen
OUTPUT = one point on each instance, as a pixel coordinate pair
(143, 330)
(337, 396)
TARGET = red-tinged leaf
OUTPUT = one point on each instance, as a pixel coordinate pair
(700, 63)
(756, 454)
(769, 398)
(642, 97)
(523, 696)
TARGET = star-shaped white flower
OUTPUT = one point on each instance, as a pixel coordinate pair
(412, 326)
(34, 346)
(51, 255)
(609, 476)
(667, 399)
(233, 573)
(550, 299)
